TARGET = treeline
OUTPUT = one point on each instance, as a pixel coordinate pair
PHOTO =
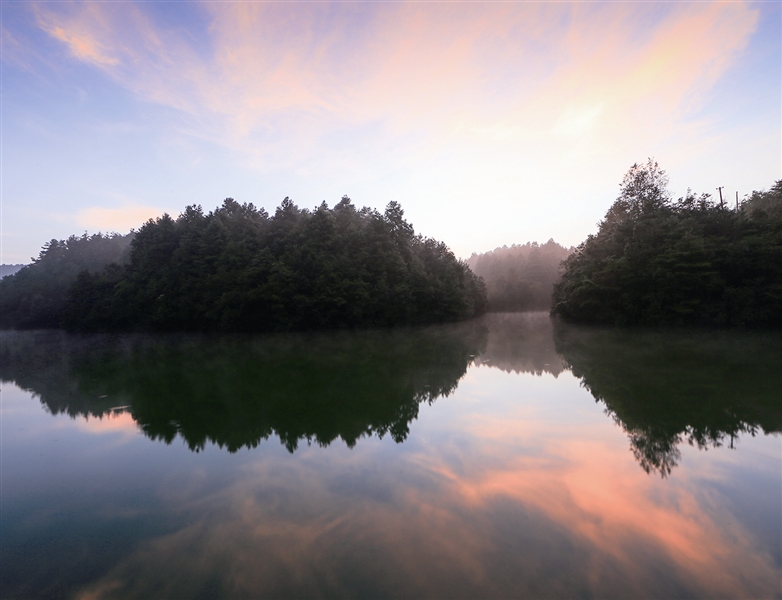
(521, 277)
(693, 261)
(35, 297)
(239, 269)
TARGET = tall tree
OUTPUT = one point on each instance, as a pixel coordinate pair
(692, 261)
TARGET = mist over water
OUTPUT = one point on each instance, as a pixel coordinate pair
(503, 456)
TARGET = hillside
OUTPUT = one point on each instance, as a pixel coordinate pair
(520, 277)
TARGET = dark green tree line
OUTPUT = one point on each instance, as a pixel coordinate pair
(239, 269)
(686, 262)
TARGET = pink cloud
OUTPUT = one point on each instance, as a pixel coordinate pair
(431, 66)
(116, 422)
(85, 36)
(434, 521)
(453, 102)
(117, 219)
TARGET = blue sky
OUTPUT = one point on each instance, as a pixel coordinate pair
(492, 123)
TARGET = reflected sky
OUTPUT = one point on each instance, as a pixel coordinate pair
(514, 484)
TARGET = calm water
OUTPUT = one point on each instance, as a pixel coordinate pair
(499, 458)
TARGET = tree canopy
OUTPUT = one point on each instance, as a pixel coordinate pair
(35, 296)
(691, 261)
(239, 269)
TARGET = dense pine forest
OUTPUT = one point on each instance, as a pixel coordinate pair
(35, 296)
(521, 277)
(239, 269)
(692, 261)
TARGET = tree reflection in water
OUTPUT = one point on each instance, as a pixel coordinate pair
(236, 391)
(666, 387)
(662, 387)
(521, 343)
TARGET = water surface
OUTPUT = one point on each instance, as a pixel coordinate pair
(502, 457)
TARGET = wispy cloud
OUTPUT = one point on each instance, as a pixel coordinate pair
(452, 108)
(278, 80)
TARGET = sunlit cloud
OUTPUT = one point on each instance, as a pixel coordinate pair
(117, 219)
(82, 47)
(580, 485)
(281, 79)
(577, 120)
(456, 505)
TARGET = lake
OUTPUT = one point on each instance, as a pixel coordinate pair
(503, 457)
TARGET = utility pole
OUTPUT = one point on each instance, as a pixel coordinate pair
(737, 201)
(720, 191)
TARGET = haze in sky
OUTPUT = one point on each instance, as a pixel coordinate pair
(491, 123)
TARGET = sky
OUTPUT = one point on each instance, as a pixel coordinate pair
(492, 123)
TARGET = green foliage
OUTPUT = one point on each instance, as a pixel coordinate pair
(239, 269)
(35, 296)
(688, 262)
(520, 278)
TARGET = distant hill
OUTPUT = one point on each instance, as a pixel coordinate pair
(520, 277)
(9, 269)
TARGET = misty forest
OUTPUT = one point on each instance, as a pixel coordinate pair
(653, 261)
(239, 269)
(521, 277)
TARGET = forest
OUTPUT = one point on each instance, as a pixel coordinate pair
(521, 277)
(9, 269)
(692, 261)
(36, 295)
(239, 269)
